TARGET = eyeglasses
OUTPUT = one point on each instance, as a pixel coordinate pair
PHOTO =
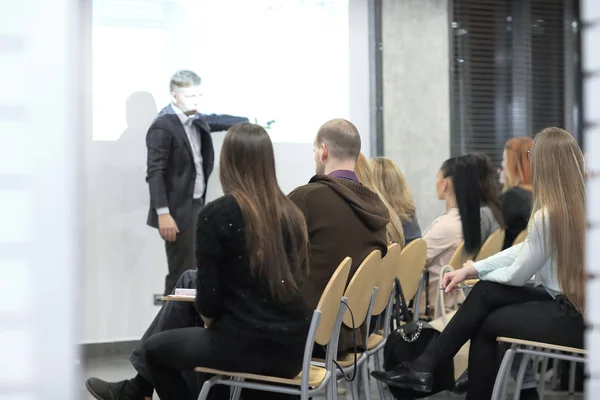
(529, 154)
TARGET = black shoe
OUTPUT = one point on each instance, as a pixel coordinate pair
(529, 394)
(124, 390)
(403, 376)
(461, 384)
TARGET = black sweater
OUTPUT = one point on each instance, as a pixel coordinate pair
(228, 292)
(515, 205)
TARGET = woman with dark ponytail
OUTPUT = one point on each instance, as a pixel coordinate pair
(460, 183)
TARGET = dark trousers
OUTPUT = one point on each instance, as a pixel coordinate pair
(175, 315)
(493, 310)
(172, 315)
(170, 352)
(181, 254)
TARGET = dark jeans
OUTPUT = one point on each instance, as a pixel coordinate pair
(493, 310)
(181, 254)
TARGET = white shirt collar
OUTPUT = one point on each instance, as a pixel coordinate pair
(182, 116)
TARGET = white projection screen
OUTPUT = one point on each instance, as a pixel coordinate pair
(284, 62)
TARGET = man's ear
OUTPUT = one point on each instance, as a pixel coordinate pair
(324, 152)
(173, 98)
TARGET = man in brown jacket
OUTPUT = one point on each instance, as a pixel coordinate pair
(344, 218)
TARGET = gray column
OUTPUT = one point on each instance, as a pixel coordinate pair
(416, 95)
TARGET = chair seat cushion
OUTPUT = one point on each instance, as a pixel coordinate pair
(374, 341)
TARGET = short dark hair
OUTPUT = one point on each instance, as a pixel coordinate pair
(342, 139)
(184, 78)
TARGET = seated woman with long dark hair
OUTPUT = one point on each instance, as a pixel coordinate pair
(252, 263)
(500, 304)
(469, 216)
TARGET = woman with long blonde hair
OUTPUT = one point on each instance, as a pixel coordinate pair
(500, 304)
(516, 200)
(391, 183)
(364, 173)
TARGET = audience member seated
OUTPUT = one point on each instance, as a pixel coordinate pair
(395, 231)
(500, 304)
(467, 217)
(343, 219)
(391, 183)
(516, 199)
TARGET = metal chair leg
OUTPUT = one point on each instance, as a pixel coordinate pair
(236, 391)
(554, 373)
(502, 377)
(572, 371)
(521, 375)
(417, 302)
(544, 369)
(380, 386)
(208, 384)
(354, 390)
(364, 369)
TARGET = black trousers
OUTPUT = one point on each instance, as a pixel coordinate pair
(181, 254)
(169, 352)
(172, 315)
(493, 310)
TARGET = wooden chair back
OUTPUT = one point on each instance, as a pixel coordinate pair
(411, 266)
(492, 245)
(360, 290)
(520, 237)
(330, 301)
(460, 256)
(385, 278)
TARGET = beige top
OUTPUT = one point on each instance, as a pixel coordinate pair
(445, 234)
(443, 238)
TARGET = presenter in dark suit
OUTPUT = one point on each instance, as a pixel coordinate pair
(180, 160)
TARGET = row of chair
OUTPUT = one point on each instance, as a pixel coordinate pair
(369, 293)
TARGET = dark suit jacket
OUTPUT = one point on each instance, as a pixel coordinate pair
(171, 172)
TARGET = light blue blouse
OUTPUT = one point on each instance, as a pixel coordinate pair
(516, 265)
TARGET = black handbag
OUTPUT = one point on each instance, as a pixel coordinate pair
(406, 343)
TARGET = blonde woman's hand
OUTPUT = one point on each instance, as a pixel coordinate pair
(451, 279)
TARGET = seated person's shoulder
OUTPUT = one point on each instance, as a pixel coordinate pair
(225, 207)
(309, 190)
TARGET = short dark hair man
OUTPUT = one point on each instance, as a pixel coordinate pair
(180, 160)
(343, 217)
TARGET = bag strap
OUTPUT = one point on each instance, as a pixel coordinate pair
(400, 307)
(427, 299)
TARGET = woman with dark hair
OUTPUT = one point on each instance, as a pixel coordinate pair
(489, 195)
(467, 217)
(252, 263)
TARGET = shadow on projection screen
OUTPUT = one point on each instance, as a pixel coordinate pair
(269, 60)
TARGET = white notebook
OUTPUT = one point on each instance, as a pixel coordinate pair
(184, 293)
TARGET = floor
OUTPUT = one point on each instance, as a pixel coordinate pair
(116, 368)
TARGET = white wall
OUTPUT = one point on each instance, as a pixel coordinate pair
(40, 244)
(591, 57)
(125, 262)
